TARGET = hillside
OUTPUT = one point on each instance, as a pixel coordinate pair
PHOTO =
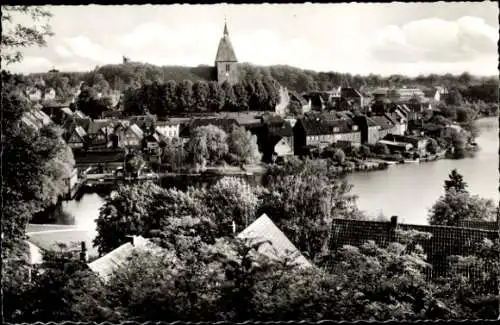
(134, 74)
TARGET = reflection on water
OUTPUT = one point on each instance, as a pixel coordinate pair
(407, 191)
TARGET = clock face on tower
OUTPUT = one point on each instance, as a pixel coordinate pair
(227, 74)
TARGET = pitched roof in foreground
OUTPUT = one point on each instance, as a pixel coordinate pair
(264, 229)
(107, 264)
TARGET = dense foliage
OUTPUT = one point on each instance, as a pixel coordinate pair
(35, 162)
(457, 204)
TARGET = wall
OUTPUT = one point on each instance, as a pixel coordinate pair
(232, 76)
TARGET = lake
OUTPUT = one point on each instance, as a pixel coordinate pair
(407, 191)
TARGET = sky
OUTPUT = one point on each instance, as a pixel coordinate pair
(391, 38)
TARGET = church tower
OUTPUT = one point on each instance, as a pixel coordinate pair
(225, 61)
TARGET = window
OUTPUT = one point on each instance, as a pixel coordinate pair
(227, 67)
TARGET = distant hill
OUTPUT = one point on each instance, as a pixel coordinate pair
(134, 74)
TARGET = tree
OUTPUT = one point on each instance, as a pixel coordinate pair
(63, 289)
(185, 98)
(200, 94)
(36, 162)
(242, 97)
(432, 146)
(231, 199)
(173, 153)
(208, 144)
(16, 35)
(381, 149)
(231, 102)
(133, 163)
(303, 199)
(339, 156)
(89, 103)
(216, 97)
(456, 206)
(242, 146)
(454, 97)
(455, 181)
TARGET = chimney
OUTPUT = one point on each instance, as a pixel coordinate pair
(392, 231)
(83, 252)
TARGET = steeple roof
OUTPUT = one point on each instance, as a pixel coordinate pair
(225, 52)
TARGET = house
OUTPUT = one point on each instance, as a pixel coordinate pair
(304, 104)
(418, 143)
(432, 94)
(168, 129)
(319, 100)
(321, 132)
(405, 94)
(250, 120)
(353, 97)
(380, 93)
(34, 94)
(396, 146)
(112, 114)
(143, 121)
(50, 94)
(77, 138)
(100, 133)
(386, 125)
(275, 138)
(445, 241)
(399, 121)
(369, 129)
(127, 135)
(36, 119)
(107, 264)
(275, 244)
(105, 157)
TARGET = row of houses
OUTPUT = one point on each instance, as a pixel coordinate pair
(347, 98)
(277, 136)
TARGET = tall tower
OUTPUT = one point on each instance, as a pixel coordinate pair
(225, 61)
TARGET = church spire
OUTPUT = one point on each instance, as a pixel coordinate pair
(226, 33)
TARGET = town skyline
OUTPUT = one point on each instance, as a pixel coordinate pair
(401, 38)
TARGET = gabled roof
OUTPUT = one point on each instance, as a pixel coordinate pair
(264, 229)
(225, 52)
(480, 224)
(107, 264)
(383, 121)
(96, 125)
(323, 126)
(445, 240)
(134, 128)
(80, 131)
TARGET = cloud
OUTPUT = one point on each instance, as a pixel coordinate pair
(83, 47)
(435, 40)
(62, 51)
(155, 42)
